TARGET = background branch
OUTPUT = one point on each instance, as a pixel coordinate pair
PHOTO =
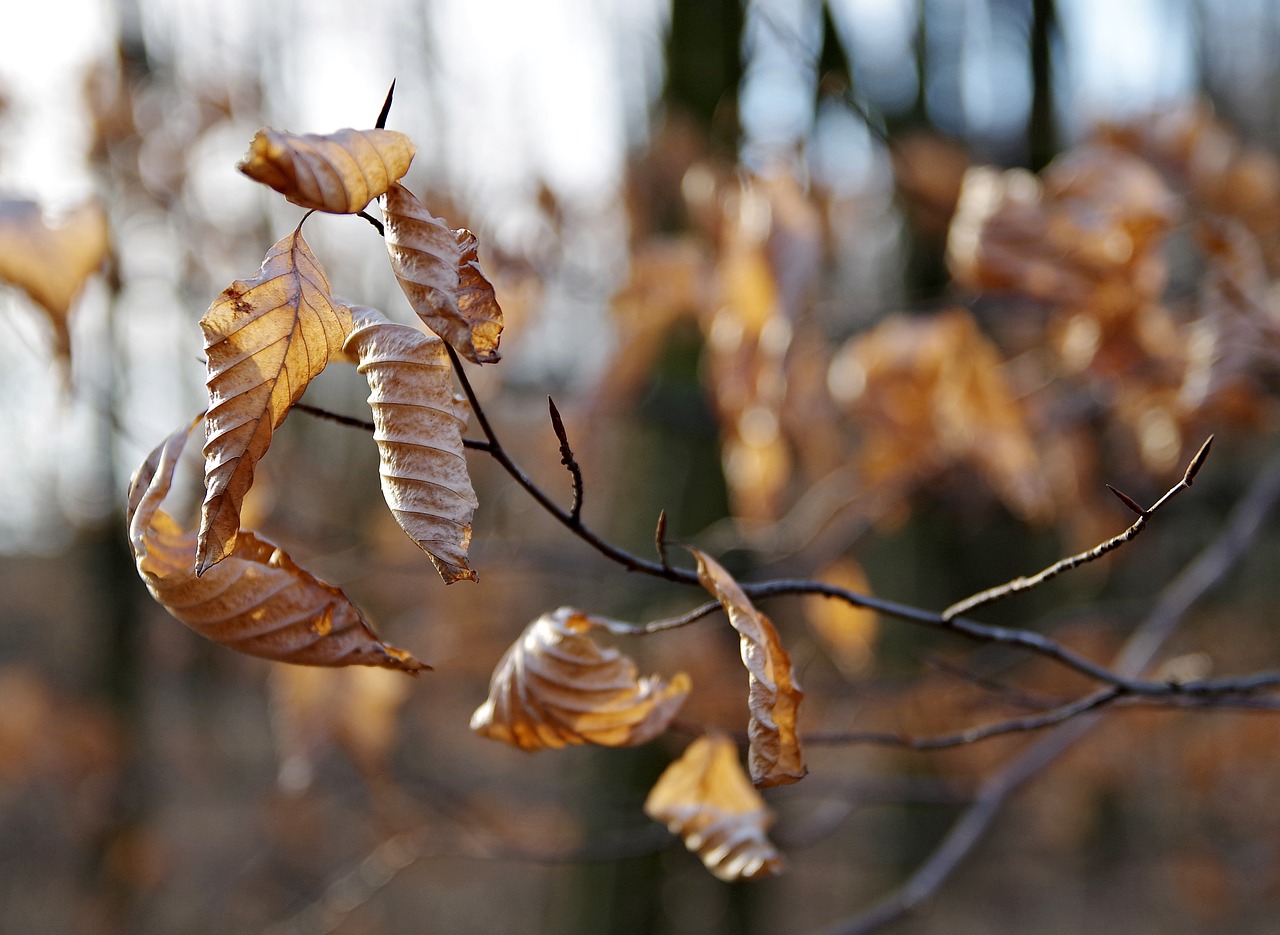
(1203, 573)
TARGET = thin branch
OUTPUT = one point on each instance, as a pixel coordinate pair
(377, 225)
(566, 518)
(660, 539)
(1206, 571)
(568, 460)
(970, 735)
(1019, 584)
(1007, 693)
(476, 444)
(668, 623)
(386, 107)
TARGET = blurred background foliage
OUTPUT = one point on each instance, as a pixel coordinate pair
(790, 276)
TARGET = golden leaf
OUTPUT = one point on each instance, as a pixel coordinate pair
(266, 339)
(419, 436)
(51, 262)
(929, 394)
(706, 799)
(555, 686)
(257, 601)
(440, 275)
(339, 172)
(773, 697)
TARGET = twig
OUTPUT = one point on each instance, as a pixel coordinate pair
(386, 107)
(377, 225)
(1207, 570)
(668, 623)
(1026, 583)
(475, 444)
(568, 460)
(970, 735)
(660, 539)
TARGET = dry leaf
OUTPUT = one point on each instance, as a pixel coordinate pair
(312, 709)
(257, 601)
(419, 436)
(51, 261)
(440, 275)
(339, 172)
(773, 696)
(555, 686)
(266, 339)
(706, 799)
(928, 395)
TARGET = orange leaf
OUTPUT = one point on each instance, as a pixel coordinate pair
(706, 799)
(555, 686)
(440, 276)
(257, 601)
(773, 696)
(419, 436)
(340, 172)
(50, 262)
(266, 339)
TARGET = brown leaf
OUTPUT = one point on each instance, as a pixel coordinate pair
(706, 799)
(339, 172)
(439, 273)
(773, 696)
(928, 394)
(266, 339)
(257, 601)
(51, 260)
(419, 436)
(555, 686)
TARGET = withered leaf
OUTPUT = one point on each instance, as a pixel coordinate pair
(928, 393)
(773, 698)
(706, 799)
(419, 435)
(339, 172)
(257, 601)
(51, 260)
(555, 686)
(266, 339)
(438, 270)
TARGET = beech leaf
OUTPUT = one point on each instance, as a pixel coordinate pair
(419, 435)
(555, 686)
(257, 601)
(440, 274)
(705, 798)
(773, 697)
(266, 338)
(51, 259)
(339, 172)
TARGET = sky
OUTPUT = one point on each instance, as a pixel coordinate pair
(505, 97)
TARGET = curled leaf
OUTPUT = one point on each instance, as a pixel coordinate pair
(440, 274)
(555, 686)
(419, 436)
(266, 339)
(50, 260)
(257, 601)
(706, 799)
(773, 696)
(339, 172)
